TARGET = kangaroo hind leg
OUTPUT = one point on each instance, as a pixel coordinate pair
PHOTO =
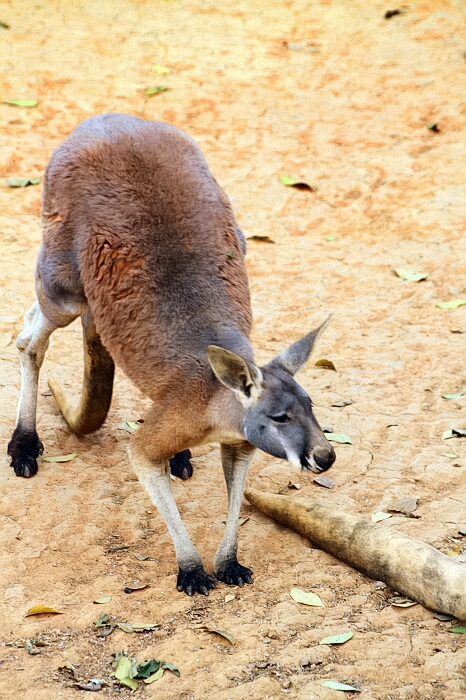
(97, 388)
(25, 446)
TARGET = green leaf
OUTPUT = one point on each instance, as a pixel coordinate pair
(142, 557)
(20, 103)
(453, 304)
(378, 517)
(339, 437)
(155, 676)
(129, 683)
(457, 630)
(101, 601)
(410, 276)
(221, 633)
(337, 638)
(103, 620)
(292, 182)
(444, 617)
(61, 458)
(161, 70)
(126, 671)
(331, 237)
(453, 396)
(22, 181)
(171, 667)
(336, 685)
(306, 598)
(4, 25)
(147, 668)
(156, 89)
(41, 610)
(231, 254)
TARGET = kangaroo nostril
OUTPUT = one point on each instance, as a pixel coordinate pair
(324, 457)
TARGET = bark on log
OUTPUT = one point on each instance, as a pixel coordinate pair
(412, 568)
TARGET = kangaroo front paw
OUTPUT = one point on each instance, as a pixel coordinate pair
(195, 581)
(24, 448)
(234, 574)
(180, 465)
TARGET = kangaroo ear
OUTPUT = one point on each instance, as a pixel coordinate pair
(242, 377)
(298, 354)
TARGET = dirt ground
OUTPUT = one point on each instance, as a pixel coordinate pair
(345, 105)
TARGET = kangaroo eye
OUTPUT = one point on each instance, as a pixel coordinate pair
(282, 418)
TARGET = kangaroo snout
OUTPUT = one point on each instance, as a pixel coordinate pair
(321, 458)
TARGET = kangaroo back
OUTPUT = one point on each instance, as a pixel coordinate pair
(154, 243)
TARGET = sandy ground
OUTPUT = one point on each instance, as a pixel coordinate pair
(345, 106)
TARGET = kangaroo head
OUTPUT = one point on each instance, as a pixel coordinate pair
(277, 412)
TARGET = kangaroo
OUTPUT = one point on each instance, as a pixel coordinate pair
(140, 241)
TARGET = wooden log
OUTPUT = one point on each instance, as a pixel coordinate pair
(410, 567)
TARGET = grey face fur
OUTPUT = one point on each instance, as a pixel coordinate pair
(278, 416)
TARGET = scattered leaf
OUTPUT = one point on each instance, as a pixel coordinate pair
(462, 531)
(406, 505)
(324, 481)
(156, 90)
(161, 70)
(229, 597)
(392, 13)
(42, 610)
(453, 304)
(125, 672)
(292, 182)
(101, 601)
(296, 487)
(444, 617)
(337, 638)
(102, 621)
(326, 364)
(147, 668)
(327, 429)
(377, 517)
(5, 339)
(129, 425)
(457, 630)
(434, 127)
(331, 237)
(231, 254)
(22, 181)
(167, 666)
(221, 633)
(336, 685)
(340, 438)
(300, 47)
(155, 676)
(117, 547)
(130, 627)
(453, 396)
(91, 686)
(4, 25)
(142, 557)
(340, 404)
(400, 602)
(20, 103)
(135, 587)
(261, 238)
(61, 458)
(454, 432)
(450, 455)
(306, 598)
(410, 276)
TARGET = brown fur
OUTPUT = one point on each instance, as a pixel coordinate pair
(143, 229)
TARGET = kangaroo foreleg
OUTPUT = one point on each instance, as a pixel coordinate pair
(25, 446)
(235, 462)
(155, 477)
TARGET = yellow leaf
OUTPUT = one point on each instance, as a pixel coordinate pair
(41, 610)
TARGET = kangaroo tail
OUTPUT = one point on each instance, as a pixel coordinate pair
(96, 396)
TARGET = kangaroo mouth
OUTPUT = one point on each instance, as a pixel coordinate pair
(310, 465)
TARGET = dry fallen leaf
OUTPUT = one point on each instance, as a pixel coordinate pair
(406, 505)
(135, 587)
(221, 633)
(61, 458)
(306, 598)
(326, 364)
(42, 610)
(324, 481)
